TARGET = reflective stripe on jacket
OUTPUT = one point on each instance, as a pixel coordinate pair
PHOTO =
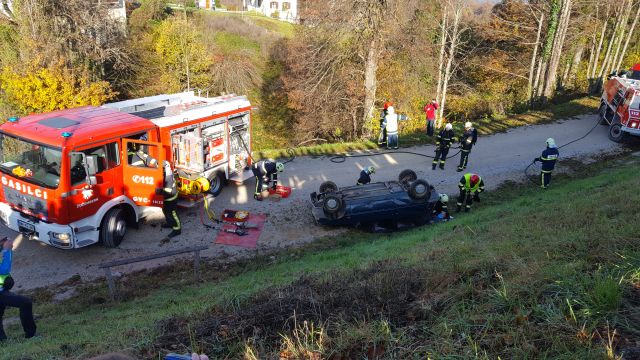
(465, 184)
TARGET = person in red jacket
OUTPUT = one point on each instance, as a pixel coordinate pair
(430, 112)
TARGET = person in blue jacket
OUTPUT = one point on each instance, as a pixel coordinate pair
(7, 298)
(548, 158)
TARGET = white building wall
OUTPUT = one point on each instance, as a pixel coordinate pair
(285, 10)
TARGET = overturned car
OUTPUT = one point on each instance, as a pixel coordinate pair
(386, 204)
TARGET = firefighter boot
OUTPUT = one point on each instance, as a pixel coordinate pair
(174, 233)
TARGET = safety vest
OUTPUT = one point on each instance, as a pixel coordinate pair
(467, 179)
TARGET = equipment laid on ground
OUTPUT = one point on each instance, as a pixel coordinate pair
(282, 191)
(72, 178)
(385, 204)
(620, 104)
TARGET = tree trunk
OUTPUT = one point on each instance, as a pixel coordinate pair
(558, 44)
(577, 57)
(599, 49)
(537, 86)
(443, 45)
(370, 83)
(533, 58)
(605, 62)
(455, 35)
(626, 43)
(623, 28)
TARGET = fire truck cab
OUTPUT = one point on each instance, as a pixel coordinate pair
(620, 104)
(76, 177)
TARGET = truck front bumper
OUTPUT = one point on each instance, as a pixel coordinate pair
(630, 130)
(60, 236)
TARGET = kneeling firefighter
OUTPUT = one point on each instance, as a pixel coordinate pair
(471, 185)
(265, 172)
(548, 158)
(440, 210)
(365, 175)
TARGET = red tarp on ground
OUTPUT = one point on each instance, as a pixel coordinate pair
(247, 241)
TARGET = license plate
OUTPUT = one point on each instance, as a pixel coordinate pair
(26, 227)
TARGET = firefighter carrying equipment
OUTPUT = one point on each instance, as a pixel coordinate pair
(382, 138)
(467, 141)
(548, 158)
(444, 140)
(266, 173)
(391, 120)
(471, 185)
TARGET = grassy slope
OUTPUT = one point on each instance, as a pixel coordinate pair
(485, 126)
(539, 274)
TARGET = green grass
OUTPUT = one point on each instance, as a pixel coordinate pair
(231, 43)
(407, 139)
(282, 27)
(527, 274)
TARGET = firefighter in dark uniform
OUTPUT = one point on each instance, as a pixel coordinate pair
(170, 205)
(8, 298)
(467, 140)
(445, 138)
(471, 185)
(548, 158)
(266, 171)
(365, 175)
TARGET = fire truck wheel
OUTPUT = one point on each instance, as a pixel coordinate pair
(113, 228)
(216, 183)
(615, 132)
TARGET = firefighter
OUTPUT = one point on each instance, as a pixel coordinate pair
(391, 120)
(471, 185)
(9, 299)
(445, 138)
(440, 210)
(170, 205)
(365, 175)
(138, 156)
(548, 158)
(430, 114)
(266, 172)
(382, 139)
(468, 139)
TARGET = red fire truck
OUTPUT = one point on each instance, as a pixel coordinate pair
(620, 104)
(72, 178)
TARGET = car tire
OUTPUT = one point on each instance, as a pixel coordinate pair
(615, 132)
(216, 183)
(332, 204)
(328, 187)
(113, 228)
(407, 176)
(419, 190)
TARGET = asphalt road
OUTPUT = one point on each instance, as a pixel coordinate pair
(497, 158)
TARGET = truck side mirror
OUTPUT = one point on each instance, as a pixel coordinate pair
(91, 166)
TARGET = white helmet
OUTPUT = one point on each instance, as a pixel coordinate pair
(551, 143)
(444, 198)
(468, 125)
(448, 126)
(391, 110)
(279, 167)
(371, 170)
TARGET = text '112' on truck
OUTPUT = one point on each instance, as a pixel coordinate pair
(76, 177)
(620, 104)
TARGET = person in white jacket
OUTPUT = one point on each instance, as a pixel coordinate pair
(392, 127)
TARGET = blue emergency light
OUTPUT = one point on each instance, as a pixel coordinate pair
(66, 134)
(13, 119)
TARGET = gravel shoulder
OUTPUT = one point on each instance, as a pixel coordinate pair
(497, 158)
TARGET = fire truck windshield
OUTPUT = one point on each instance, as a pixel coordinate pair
(31, 162)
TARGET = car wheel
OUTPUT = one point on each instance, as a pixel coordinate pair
(113, 228)
(419, 189)
(216, 183)
(328, 187)
(406, 176)
(332, 204)
(615, 132)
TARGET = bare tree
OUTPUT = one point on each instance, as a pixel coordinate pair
(629, 35)
(558, 46)
(536, 45)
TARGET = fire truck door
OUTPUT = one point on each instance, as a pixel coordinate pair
(142, 174)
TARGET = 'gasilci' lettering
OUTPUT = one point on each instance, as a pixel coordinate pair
(27, 189)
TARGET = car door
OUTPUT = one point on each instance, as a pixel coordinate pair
(87, 198)
(142, 181)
